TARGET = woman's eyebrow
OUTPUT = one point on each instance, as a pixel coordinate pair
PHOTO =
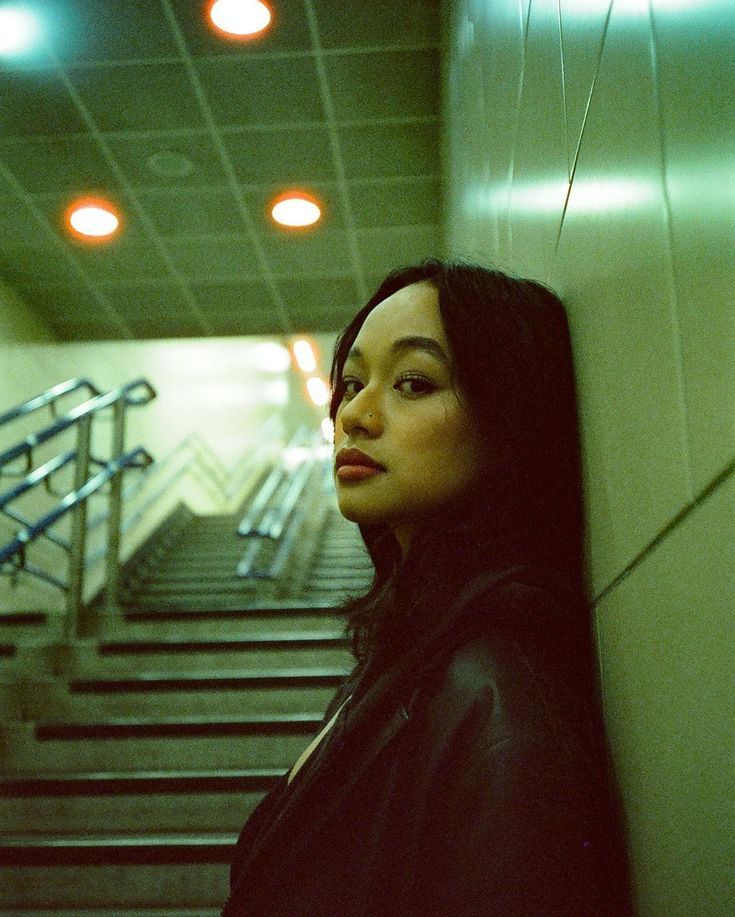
(416, 342)
(411, 342)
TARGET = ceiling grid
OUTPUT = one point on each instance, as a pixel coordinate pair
(341, 100)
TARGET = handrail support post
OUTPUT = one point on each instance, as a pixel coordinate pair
(115, 515)
(77, 548)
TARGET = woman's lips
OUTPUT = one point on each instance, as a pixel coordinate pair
(357, 472)
(355, 465)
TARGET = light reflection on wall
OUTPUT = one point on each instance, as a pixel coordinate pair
(588, 196)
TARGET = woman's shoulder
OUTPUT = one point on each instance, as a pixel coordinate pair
(508, 671)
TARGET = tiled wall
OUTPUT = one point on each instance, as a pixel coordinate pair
(590, 145)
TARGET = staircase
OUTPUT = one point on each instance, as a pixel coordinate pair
(127, 780)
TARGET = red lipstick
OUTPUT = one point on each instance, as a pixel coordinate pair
(355, 465)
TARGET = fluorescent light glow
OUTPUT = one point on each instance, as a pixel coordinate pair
(295, 210)
(272, 358)
(588, 195)
(591, 9)
(93, 220)
(19, 30)
(304, 354)
(318, 391)
(328, 429)
(240, 18)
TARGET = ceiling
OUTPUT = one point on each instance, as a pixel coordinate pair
(339, 98)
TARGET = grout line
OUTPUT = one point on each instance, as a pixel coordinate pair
(254, 128)
(564, 90)
(336, 147)
(250, 55)
(706, 492)
(585, 116)
(226, 162)
(526, 23)
(675, 293)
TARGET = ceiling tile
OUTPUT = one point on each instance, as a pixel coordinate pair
(232, 296)
(20, 263)
(380, 22)
(314, 294)
(290, 156)
(76, 329)
(408, 202)
(133, 152)
(72, 164)
(300, 254)
(214, 258)
(388, 84)
(136, 300)
(261, 91)
(390, 150)
(63, 301)
(17, 221)
(192, 212)
(36, 102)
(104, 30)
(331, 320)
(288, 31)
(166, 328)
(243, 323)
(386, 249)
(121, 258)
(138, 96)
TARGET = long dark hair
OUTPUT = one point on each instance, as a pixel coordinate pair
(513, 360)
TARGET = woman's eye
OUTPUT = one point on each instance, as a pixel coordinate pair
(350, 387)
(415, 385)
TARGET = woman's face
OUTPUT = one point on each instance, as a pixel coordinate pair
(418, 449)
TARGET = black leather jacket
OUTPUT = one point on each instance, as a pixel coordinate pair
(459, 782)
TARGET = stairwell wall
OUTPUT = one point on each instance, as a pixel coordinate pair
(589, 146)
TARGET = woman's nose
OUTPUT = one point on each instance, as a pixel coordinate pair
(361, 413)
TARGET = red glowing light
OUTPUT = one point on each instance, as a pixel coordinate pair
(92, 219)
(241, 20)
(296, 210)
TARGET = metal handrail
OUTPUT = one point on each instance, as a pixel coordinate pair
(40, 475)
(47, 398)
(123, 394)
(13, 555)
(260, 508)
(136, 458)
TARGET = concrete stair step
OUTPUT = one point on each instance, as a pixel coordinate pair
(159, 682)
(243, 653)
(114, 912)
(177, 875)
(233, 659)
(137, 803)
(132, 743)
(192, 700)
(172, 623)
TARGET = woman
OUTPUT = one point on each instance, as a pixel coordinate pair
(462, 768)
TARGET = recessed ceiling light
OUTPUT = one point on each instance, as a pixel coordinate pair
(295, 209)
(19, 30)
(240, 18)
(92, 220)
